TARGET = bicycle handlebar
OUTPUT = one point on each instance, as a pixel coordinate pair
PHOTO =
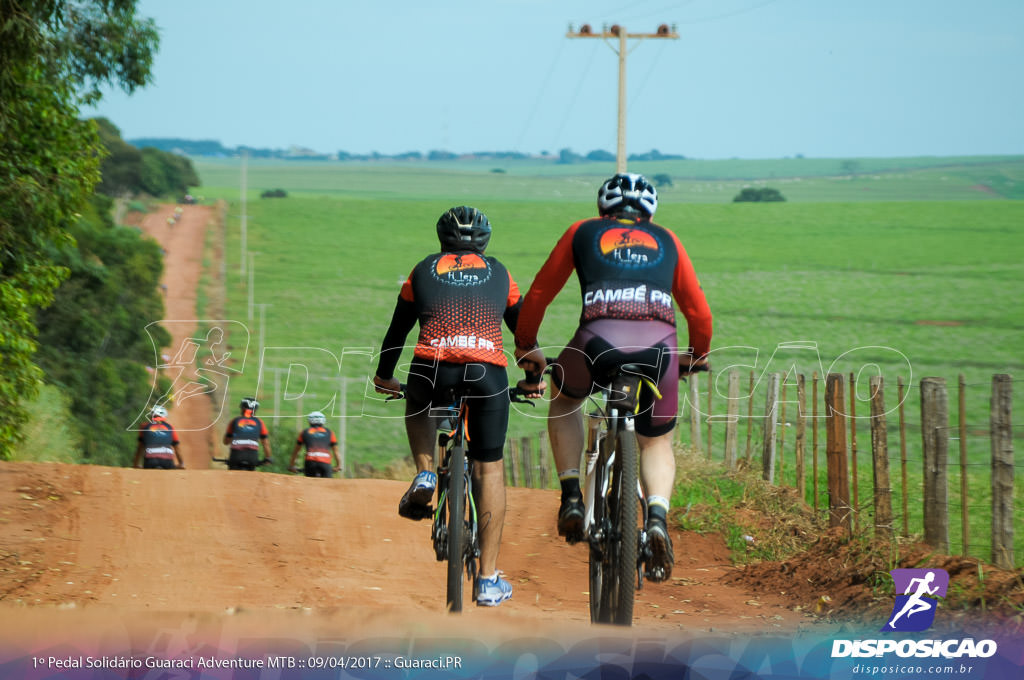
(514, 394)
(260, 463)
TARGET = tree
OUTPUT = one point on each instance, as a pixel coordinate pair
(54, 57)
(568, 157)
(92, 341)
(601, 155)
(752, 195)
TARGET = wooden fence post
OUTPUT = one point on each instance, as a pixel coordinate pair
(695, 438)
(801, 435)
(965, 531)
(935, 449)
(512, 453)
(880, 460)
(814, 438)
(771, 404)
(731, 420)
(782, 427)
(1001, 430)
(835, 452)
(711, 384)
(854, 476)
(903, 457)
(750, 416)
(544, 459)
(526, 456)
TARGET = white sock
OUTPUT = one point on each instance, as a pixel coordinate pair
(658, 501)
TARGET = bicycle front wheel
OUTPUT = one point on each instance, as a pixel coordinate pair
(457, 534)
(614, 575)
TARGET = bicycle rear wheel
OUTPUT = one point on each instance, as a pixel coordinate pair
(613, 562)
(624, 508)
(457, 534)
(598, 538)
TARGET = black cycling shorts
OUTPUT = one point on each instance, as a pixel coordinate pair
(151, 463)
(243, 459)
(318, 468)
(599, 346)
(429, 382)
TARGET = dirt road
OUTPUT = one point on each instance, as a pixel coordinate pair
(183, 241)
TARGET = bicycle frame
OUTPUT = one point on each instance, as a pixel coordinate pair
(614, 499)
(455, 532)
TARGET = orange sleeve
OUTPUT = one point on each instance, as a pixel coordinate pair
(689, 296)
(263, 429)
(546, 285)
(406, 292)
(513, 292)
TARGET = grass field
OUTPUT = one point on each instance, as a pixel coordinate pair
(878, 273)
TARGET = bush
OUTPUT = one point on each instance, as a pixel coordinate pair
(274, 193)
(662, 180)
(765, 195)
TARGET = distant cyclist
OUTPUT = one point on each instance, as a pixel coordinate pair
(629, 269)
(321, 448)
(245, 435)
(460, 297)
(158, 443)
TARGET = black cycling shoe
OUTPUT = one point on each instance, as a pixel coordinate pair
(570, 519)
(659, 568)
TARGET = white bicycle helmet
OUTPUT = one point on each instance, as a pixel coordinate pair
(317, 418)
(158, 411)
(249, 404)
(627, 193)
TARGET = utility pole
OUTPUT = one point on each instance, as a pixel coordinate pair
(619, 33)
(245, 226)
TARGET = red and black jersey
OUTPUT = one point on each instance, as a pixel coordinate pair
(627, 270)
(245, 432)
(318, 441)
(460, 300)
(158, 439)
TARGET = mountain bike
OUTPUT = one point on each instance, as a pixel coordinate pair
(455, 531)
(616, 509)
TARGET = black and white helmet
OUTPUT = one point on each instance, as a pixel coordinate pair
(316, 418)
(249, 404)
(158, 411)
(463, 228)
(627, 193)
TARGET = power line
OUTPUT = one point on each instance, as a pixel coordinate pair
(540, 95)
(726, 15)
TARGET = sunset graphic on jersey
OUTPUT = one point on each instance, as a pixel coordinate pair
(614, 239)
(458, 262)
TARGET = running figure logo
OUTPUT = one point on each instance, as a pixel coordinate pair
(914, 610)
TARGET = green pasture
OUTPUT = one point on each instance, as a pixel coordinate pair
(696, 181)
(905, 286)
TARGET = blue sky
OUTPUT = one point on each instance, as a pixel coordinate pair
(747, 78)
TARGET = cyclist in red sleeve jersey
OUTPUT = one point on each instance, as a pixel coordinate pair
(460, 297)
(244, 436)
(629, 269)
(158, 443)
(321, 448)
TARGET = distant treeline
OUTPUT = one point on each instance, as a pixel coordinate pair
(212, 148)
